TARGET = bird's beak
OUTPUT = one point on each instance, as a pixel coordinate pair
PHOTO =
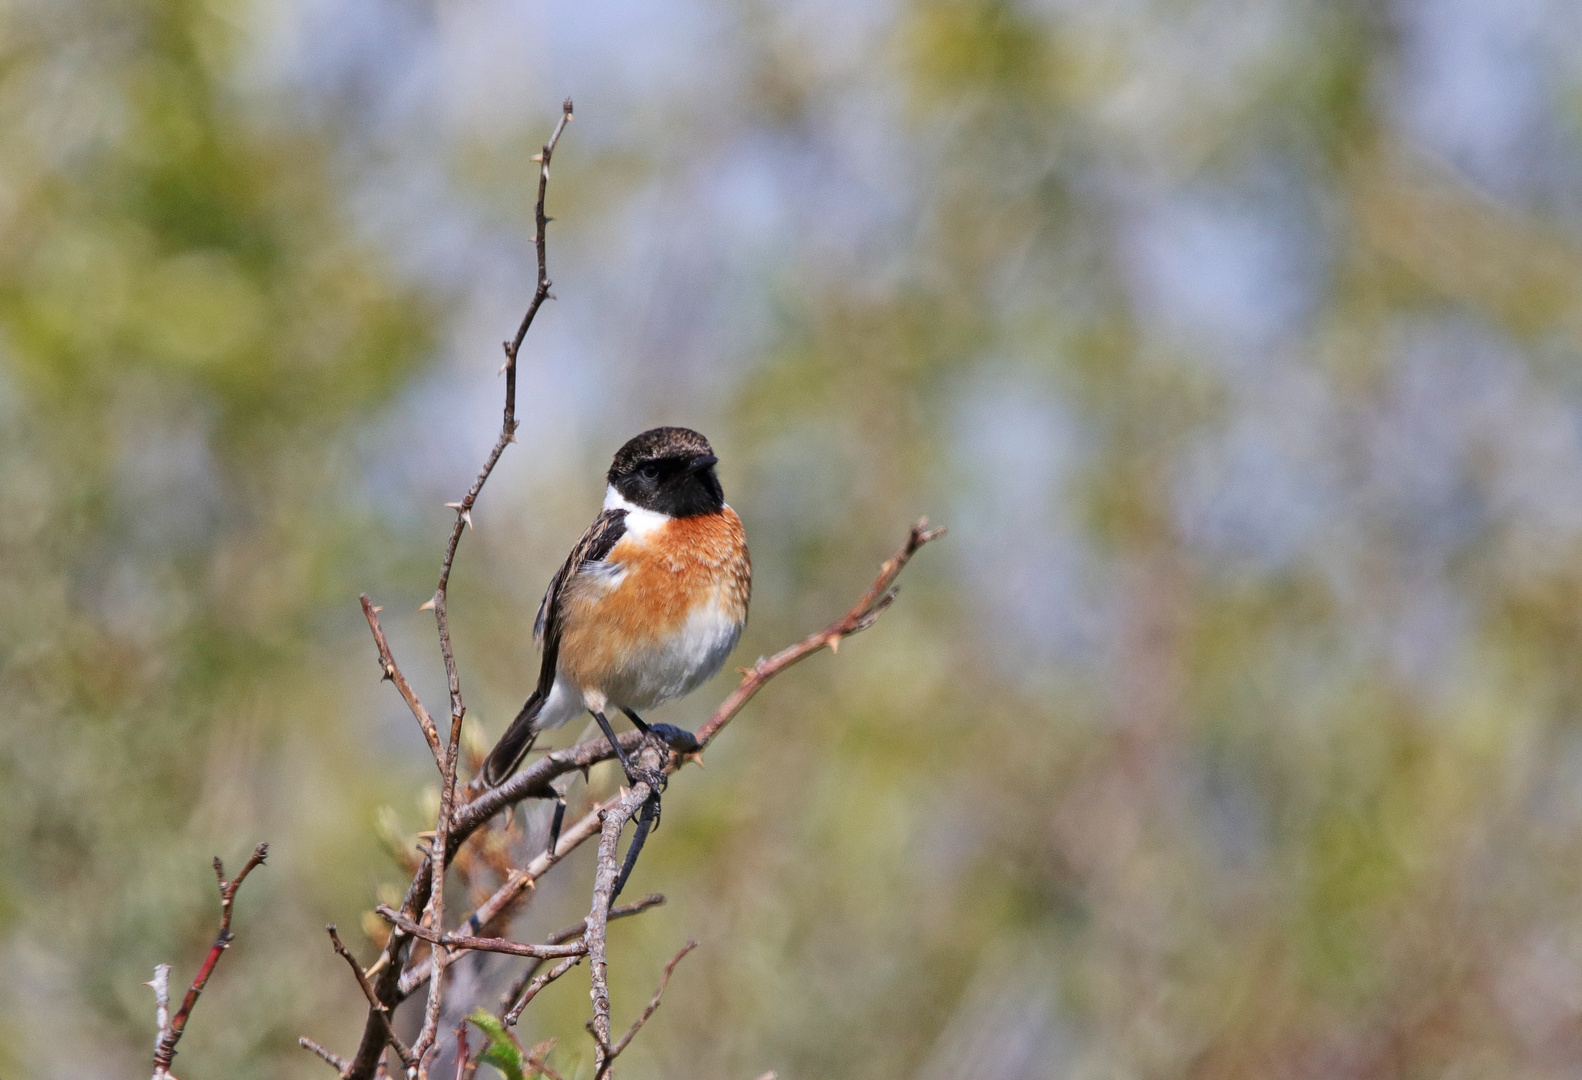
(701, 462)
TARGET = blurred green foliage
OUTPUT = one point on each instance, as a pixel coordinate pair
(1233, 731)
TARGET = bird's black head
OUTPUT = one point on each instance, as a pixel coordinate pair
(669, 470)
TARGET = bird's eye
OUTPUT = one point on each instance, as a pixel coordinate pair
(648, 470)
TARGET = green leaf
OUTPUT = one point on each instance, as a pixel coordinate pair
(503, 1051)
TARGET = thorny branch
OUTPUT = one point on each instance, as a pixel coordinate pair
(170, 1029)
(393, 985)
(429, 896)
(387, 664)
(421, 916)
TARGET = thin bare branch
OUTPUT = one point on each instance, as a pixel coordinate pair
(466, 1067)
(165, 1049)
(861, 616)
(479, 944)
(608, 869)
(517, 883)
(408, 1059)
(653, 1003)
(161, 985)
(435, 915)
(576, 930)
(392, 672)
(536, 1062)
(531, 990)
(336, 1062)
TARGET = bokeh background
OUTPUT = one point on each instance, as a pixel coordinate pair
(1234, 731)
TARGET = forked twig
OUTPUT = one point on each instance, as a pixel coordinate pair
(408, 1058)
(170, 1031)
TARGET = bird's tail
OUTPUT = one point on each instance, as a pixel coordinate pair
(515, 743)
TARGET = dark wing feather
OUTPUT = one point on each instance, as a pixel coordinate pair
(595, 544)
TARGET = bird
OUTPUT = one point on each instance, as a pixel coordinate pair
(647, 606)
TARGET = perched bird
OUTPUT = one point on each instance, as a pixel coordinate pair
(648, 604)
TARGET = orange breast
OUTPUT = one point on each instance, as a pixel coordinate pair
(666, 576)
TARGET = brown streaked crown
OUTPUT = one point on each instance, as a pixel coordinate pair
(669, 470)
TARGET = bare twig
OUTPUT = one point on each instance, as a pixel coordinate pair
(408, 1059)
(534, 1061)
(422, 914)
(479, 944)
(608, 869)
(466, 1067)
(387, 664)
(531, 990)
(336, 1062)
(170, 1034)
(653, 1003)
(861, 616)
(574, 931)
(517, 883)
(161, 985)
(435, 916)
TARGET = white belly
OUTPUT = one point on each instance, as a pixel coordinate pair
(679, 665)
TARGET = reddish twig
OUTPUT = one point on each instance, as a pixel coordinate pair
(170, 1033)
(534, 1061)
(466, 1067)
(653, 1003)
(427, 893)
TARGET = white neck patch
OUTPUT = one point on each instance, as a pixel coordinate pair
(639, 522)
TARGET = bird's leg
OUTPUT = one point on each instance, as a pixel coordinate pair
(645, 821)
(637, 721)
(555, 823)
(615, 744)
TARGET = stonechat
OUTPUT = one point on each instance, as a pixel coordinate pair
(648, 604)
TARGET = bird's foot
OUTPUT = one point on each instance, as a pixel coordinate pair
(680, 740)
(654, 778)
